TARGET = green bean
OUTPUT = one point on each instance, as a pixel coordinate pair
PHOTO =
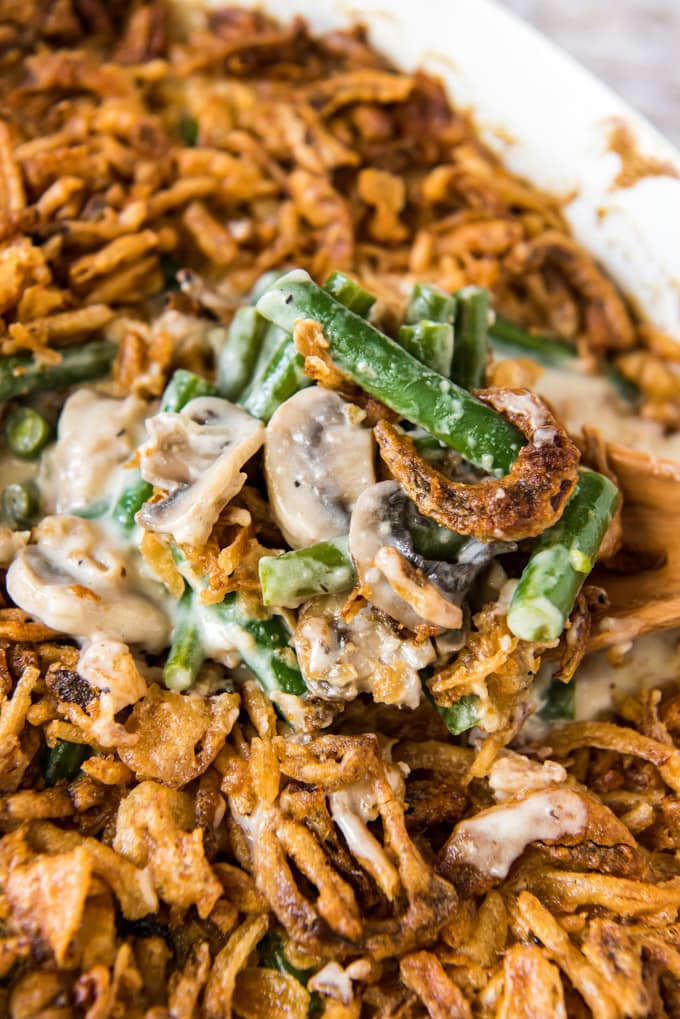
(561, 559)
(22, 373)
(457, 717)
(348, 292)
(186, 654)
(26, 432)
(63, 761)
(624, 387)
(431, 303)
(262, 639)
(131, 500)
(188, 129)
(263, 643)
(560, 701)
(237, 359)
(470, 345)
(385, 370)
(288, 580)
(264, 282)
(513, 341)
(21, 504)
(282, 378)
(431, 342)
(272, 955)
(283, 374)
(183, 387)
(92, 511)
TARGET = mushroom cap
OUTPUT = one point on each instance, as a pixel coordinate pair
(318, 461)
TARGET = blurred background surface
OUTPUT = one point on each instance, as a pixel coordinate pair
(633, 45)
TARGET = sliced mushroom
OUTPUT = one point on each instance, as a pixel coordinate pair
(76, 582)
(196, 456)
(318, 461)
(415, 591)
(97, 436)
(340, 658)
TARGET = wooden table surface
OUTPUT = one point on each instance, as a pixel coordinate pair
(633, 45)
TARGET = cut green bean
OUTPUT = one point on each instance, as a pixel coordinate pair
(288, 580)
(560, 701)
(263, 644)
(561, 559)
(186, 655)
(511, 340)
(261, 639)
(265, 281)
(21, 504)
(458, 717)
(283, 374)
(471, 343)
(385, 370)
(237, 359)
(283, 377)
(272, 955)
(131, 500)
(26, 432)
(183, 387)
(63, 761)
(431, 303)
(431, 343)
(92, 511)
(623, 386)
(22, 373)
(188, 129)
(348, 292)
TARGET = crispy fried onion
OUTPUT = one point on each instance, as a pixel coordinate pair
(155, 828)
(361, 785)
(522, 504)
(494, 666)
(177, 737)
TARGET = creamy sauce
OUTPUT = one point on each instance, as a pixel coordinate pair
(97, 436)
(333, 981)
(580, 399)
(513, 775)
(652, 661)
(492, 840)
(351, 808)
(108, 666)
(341, 659)
(81, 578)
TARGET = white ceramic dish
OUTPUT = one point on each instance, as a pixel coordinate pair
(548, 119)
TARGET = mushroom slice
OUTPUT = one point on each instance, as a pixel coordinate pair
(417, 592)
(97, 435)
(196, 456)
(76, 582)
(318, 461)
(341, 659)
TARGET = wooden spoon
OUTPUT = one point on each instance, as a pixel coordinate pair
(650, 598)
